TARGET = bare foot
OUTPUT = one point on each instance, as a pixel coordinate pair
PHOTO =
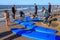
(41, 23)
(49, 25)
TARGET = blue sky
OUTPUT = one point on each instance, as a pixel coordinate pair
(29, 2)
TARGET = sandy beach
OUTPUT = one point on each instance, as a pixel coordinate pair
(6, 34)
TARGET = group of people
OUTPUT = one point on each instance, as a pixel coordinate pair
(43, 11)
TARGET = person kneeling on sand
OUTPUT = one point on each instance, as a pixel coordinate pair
(32, 15)
(45, 14)
(22, 14)
(7, 19)
(51, 19)
(13, 11)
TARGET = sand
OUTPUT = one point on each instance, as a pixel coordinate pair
(6, 34)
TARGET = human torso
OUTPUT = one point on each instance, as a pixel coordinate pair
(6, 15)
(13, 9)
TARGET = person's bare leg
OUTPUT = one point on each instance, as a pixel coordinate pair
(50, 24)
(6, 23)
(9, 22)
(14, 16)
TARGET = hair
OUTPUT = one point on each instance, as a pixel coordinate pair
(30, 13)
(13, 5)
(43, 7)
(5, 11)
(49, 3)
(33, 15)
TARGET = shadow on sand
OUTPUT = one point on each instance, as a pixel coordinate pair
(12, 37)
(36, 20)
(5, 34)
(14, 24)
(56, 14)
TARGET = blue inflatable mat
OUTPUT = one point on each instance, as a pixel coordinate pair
(28, 18)
(33, 34)
(17, 21)
(41, 29)
(27, 23)
(30, 25)
(35, 18)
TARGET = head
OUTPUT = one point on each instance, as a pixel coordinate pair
(6, 11)
(13, 5)
(30, 13)
(49, 3)
(43, 8)
(34, 4)
(33, 16)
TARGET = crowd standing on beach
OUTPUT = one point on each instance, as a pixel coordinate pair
(47, 16)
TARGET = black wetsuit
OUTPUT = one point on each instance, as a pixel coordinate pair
(49, 9)
(21, 13)
(36, 10)
(13, 11)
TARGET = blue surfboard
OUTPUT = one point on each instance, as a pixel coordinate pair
(34, 34)
(17, 21)
(30, 25)
(38, 28)
(28, 18)
(27, 23)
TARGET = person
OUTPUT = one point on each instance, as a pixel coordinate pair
(22, 14)
(49, 8)
(51, 19)
(45, 14)
(35, 9)
(13, 11)
(6, 15)
(32, 15)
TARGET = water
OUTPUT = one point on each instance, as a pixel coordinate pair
(25, 8)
